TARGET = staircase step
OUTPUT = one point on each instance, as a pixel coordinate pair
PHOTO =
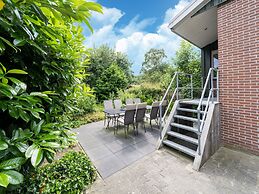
(183, 137)
(188, 128)
(186, 118)
(193, 102)
(180, 147)
(189, 110)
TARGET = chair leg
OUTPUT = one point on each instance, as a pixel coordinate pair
(144, 127)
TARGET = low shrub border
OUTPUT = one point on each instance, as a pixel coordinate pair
(72, 174)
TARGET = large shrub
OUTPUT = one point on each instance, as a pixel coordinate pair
(103, 61)
(71, 174)
(147, 92)
(42, 66)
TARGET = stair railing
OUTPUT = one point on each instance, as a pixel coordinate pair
(200, 123)
(175, 94)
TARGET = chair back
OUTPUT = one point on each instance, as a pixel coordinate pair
(117, 104)
(129, 114)
(137, 100)
(129, 101)
(140, 112)
(154, 110)
(108, 105)
(164, 106)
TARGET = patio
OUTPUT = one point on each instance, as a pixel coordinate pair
(111, 153)
(228, 171)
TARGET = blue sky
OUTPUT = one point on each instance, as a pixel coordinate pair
(135, 26)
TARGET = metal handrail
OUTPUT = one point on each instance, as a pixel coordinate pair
(175, 93)
(211, 95)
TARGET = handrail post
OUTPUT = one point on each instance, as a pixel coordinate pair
(191, 88)
(199, 130)
(212, 84)
(177, 85)
(217, 86)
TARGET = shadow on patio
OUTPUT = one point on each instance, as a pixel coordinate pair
(110, 152)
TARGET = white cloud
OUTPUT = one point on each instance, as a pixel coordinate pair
(132, 39)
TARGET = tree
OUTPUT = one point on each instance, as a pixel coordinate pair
(101, 59)
(154, 68)
(111, 81)
(187, 60)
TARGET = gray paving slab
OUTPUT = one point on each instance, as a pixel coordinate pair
(110, 152)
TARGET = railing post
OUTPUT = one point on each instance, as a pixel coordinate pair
(217, 85)
(191, 88)
(199, 130)
(212, 84)
(177, 85)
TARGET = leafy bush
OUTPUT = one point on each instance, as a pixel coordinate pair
(110, 72)
(71, 174)
(147, 92)
(39, 39)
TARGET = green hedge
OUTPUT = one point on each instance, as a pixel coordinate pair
(71, 174)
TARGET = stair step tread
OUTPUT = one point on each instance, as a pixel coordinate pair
(186, 118)
(183, 137)
(180, 147)
(189, 110)
(188, 128)
(193, 102)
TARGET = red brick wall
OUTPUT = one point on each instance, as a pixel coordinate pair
(238, 41)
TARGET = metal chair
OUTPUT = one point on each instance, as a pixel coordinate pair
(117, 104)
(140, 115)
(127, 119)
(129, 101)
(153, 115)
(108, 105)
(136, 100)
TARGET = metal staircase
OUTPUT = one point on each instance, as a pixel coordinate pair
(183, 128)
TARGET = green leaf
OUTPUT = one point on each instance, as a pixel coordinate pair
(4, 80)
(30, 150)
(38, 94)
(8, 43)
(3, 67)
(50, 144)
(14, 112)
(37, 127)
(4, 180)
(14, 177)
(21, 146)
(24, 115)
(36, 157)
(14, 80)
(3, 145)
(16, 71)
(12, 163)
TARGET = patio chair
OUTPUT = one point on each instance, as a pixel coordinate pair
(127, 119)
(164, 106)
(108, 105)
(140, 115)
(117, 104)
(136, 100)
(129, 101)
(153, 115)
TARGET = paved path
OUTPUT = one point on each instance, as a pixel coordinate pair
(111, 153)
(227, 172)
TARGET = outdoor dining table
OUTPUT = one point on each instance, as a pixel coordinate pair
(115, 113)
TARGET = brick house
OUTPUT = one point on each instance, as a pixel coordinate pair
(227, 32)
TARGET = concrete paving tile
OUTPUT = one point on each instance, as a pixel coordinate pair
(144, 147)
(129, 155)
(109, 165)
(98, 152)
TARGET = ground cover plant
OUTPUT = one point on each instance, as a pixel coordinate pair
(71, 174)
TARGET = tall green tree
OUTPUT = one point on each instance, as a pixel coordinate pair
(187, 60)
(155, 68)
(101, 59)
(111, 81)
